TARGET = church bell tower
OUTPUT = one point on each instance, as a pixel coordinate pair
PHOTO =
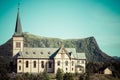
(18, 40)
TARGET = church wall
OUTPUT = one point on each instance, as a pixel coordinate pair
(73, 66)
(19, 66)
(63, 57)
(64, 67)
(54, 66)
(50, 69)
(34, 68)
(82, 62)
(17, 49)
(46, 65)
(27, 69)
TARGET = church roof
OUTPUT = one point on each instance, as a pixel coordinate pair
(81, 56)
(44, 52)
(18, 27)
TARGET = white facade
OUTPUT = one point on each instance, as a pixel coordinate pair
(61, 60)
(17, 45)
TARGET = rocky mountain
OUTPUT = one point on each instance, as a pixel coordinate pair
(86, 45)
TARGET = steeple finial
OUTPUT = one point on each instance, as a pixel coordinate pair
(18, 6)
(18, 27)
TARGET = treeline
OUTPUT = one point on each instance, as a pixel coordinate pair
(44, 76)
(95, 67)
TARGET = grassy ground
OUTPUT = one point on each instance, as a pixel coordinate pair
(91, 77)
(80, 77)
(102, 77)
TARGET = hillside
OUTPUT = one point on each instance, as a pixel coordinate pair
(87, 45)
(116, 57)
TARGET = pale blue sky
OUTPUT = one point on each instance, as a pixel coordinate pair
(65, 19)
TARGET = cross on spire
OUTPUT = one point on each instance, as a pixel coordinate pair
(18, 5)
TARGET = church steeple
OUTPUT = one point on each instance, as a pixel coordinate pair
(18, 27)
(18, 38)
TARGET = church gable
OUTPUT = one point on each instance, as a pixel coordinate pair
(62, 53)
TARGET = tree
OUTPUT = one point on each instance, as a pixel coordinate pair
(59, 74)
(45, 75)
(68, 76)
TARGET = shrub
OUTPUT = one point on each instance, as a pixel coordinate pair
(59, 74)
(68, 76)
(45, 75)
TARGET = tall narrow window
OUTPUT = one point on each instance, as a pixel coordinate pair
(66, 63)
(72, 63)
(27, 63)
(72, 69)
(19, 67)
(58, 63)
(18, 44)
(66, 69)
(42, 64)
(34, 64)
(50, 64)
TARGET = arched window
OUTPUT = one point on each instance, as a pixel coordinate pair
(19, 67)
(19, 61)
(66, 69)
(42, 64)
(27, 64)
(72, 69)
(58, 63)
(66, 63)
(50, 64)
(34, 64)
(72, 63)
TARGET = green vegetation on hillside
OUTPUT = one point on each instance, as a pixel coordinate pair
(86, 45)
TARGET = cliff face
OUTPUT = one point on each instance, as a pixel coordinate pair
(87, 45)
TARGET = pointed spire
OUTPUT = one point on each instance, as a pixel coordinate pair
(18, 27)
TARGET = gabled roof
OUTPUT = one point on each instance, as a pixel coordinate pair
(81, 56)
(49, 53)
(68, 51)
(18, 27)
(37, 52)
(43, 52)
